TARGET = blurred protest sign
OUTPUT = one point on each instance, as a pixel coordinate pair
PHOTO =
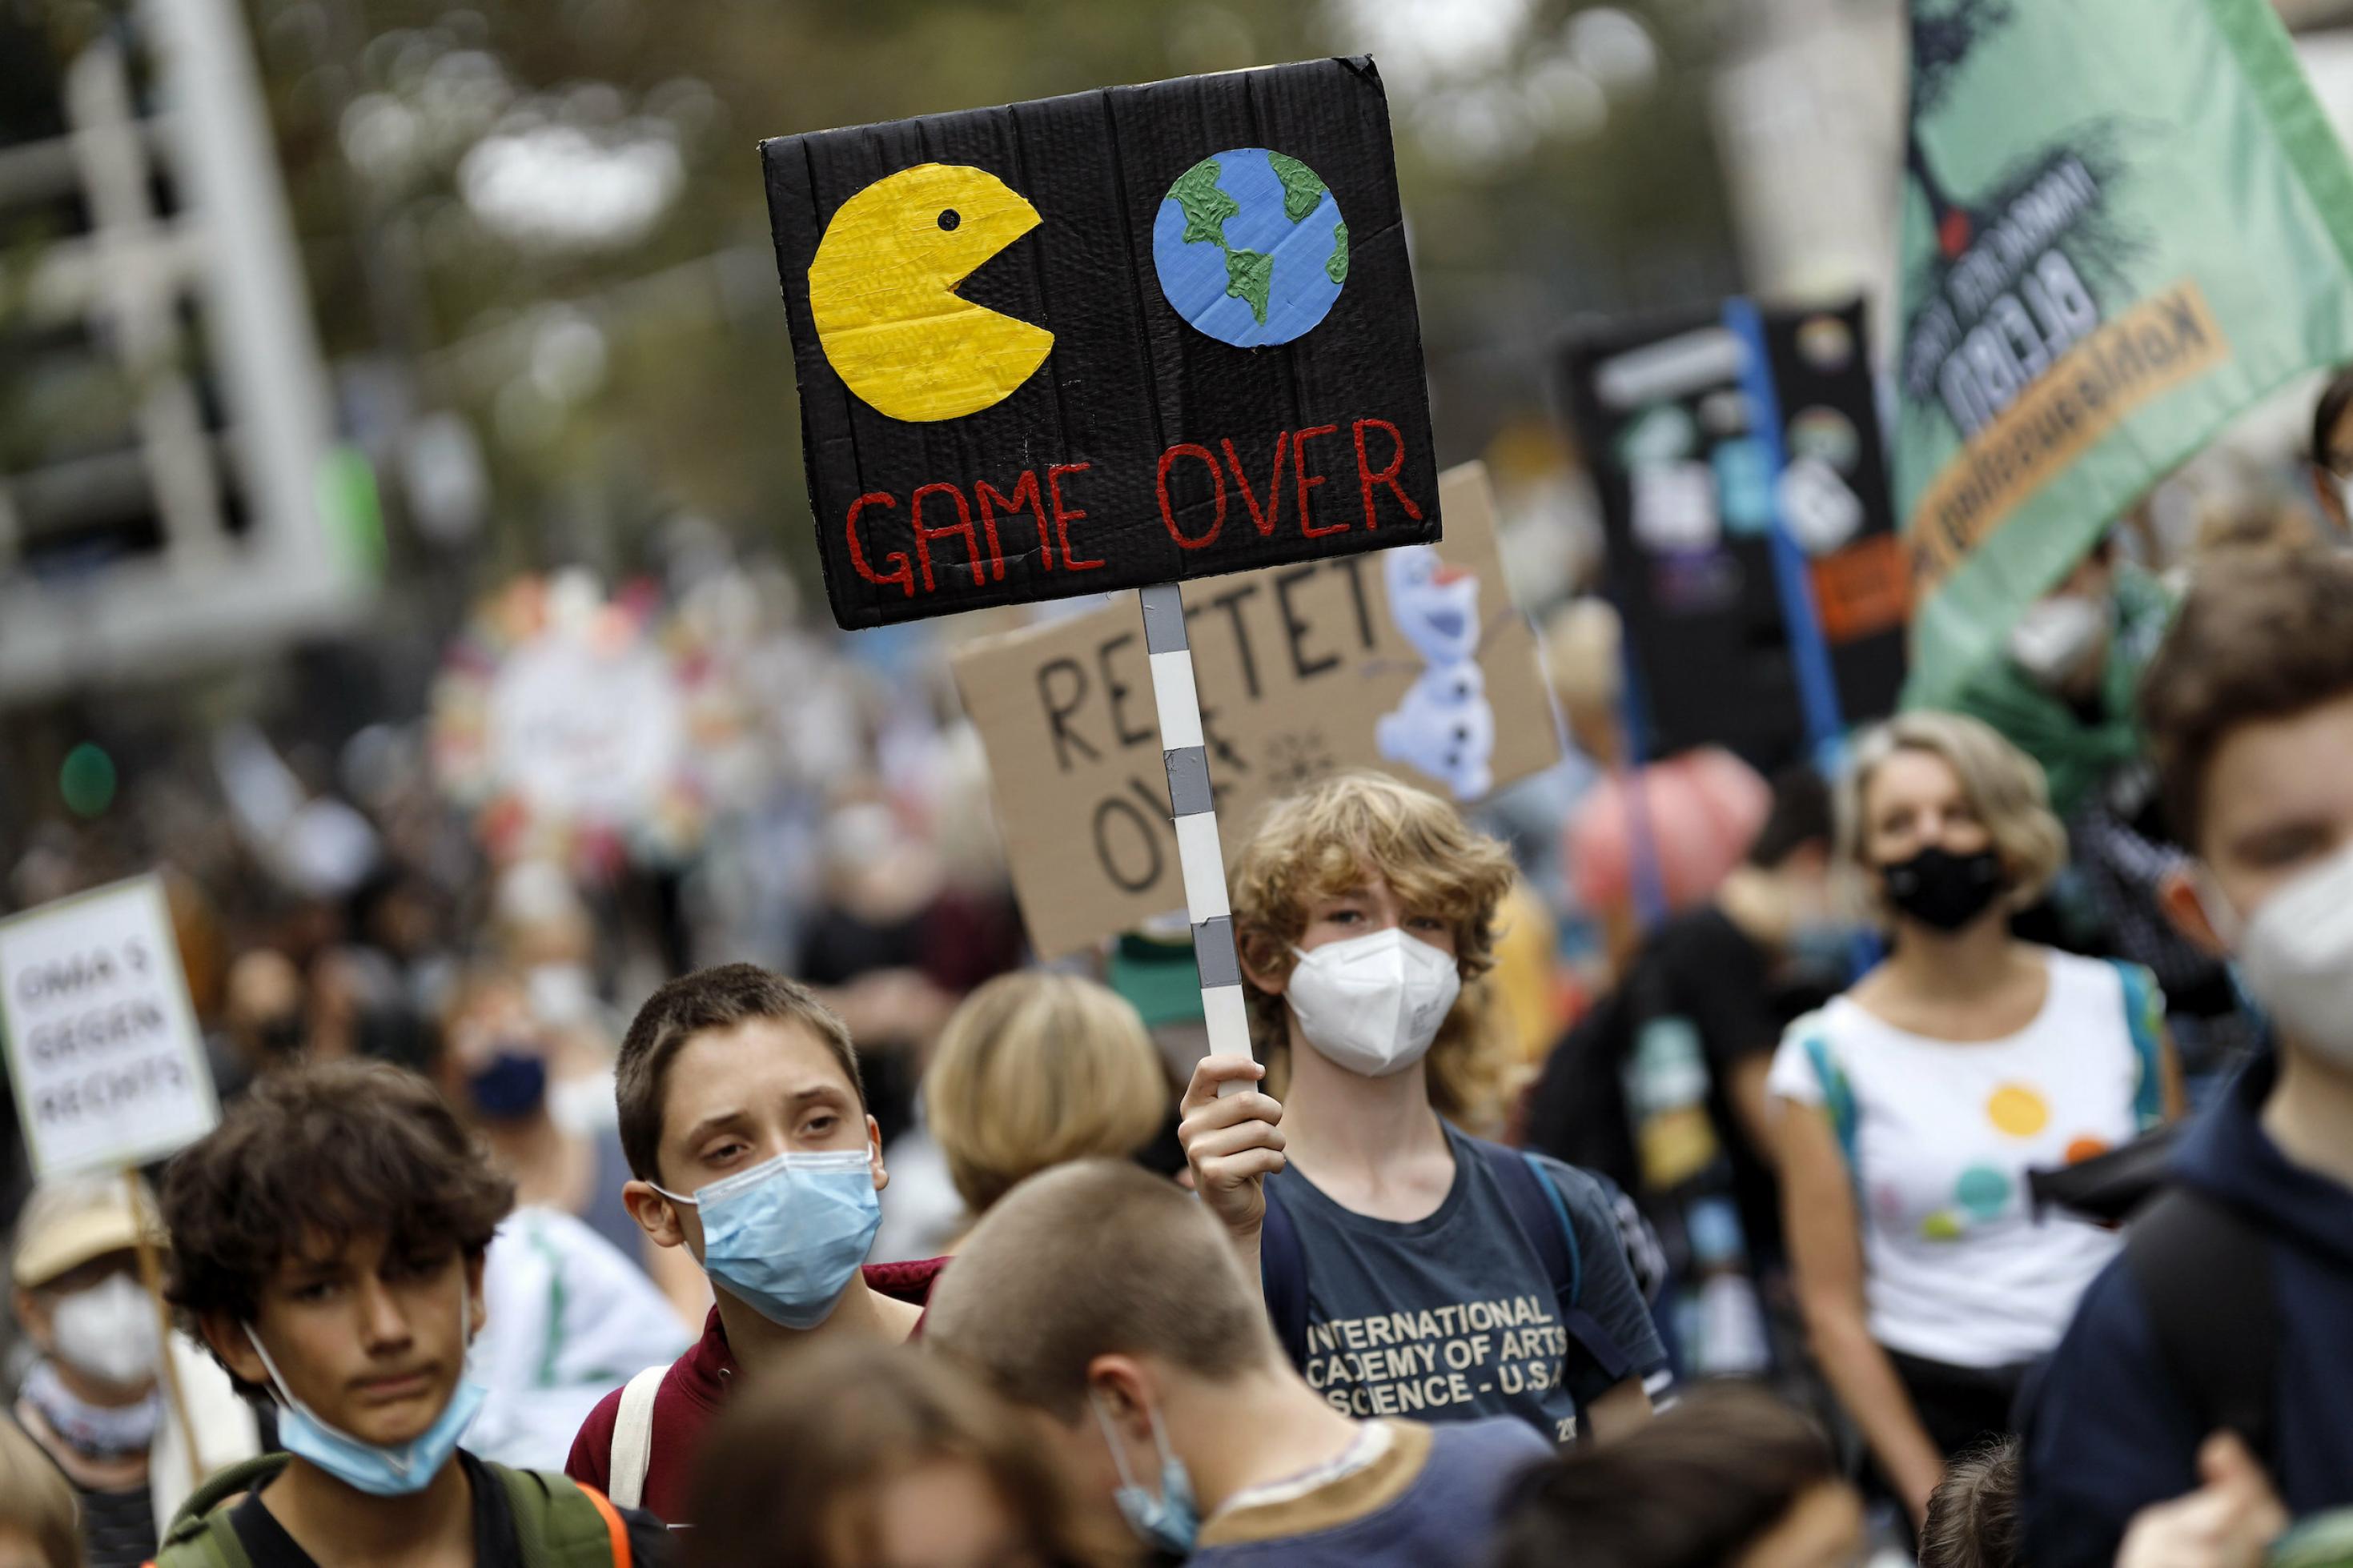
(1415, 662)
(1123, 338)
(103, 1052)
(2124, 222)
(1701, 434)
(572, 728)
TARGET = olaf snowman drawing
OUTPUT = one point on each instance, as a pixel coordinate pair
(1443, 727)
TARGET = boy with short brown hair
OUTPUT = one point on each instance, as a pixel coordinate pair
(1159, 1392)
(2230, 1304)
(744, 1116)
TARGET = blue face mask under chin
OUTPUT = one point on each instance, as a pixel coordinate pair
(786, 1237)
(396, 1470)
(1170, 1522)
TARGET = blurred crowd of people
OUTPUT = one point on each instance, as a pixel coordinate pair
(771, 1196)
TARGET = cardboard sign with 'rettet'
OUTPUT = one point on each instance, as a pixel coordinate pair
(1414, 662)
(1134, 336)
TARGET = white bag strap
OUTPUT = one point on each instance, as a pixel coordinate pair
(633, 1438)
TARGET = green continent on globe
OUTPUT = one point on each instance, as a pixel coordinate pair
(1336, 265)
(1301, 189)
(1250, 276)
(1205, 206)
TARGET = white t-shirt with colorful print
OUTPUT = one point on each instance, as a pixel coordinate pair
(1940, 1136)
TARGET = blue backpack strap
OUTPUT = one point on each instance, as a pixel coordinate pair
(2145, 1017)
(1536, 1203)
(1283, 1276)
(1838, 1094)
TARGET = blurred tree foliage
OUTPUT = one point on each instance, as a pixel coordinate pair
(617, 382)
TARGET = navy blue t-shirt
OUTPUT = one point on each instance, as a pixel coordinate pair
(1451, 1317)
(1435, 1500)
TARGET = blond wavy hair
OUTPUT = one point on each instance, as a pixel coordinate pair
(2005, 785)
(1320, 843)
(1036, 1069)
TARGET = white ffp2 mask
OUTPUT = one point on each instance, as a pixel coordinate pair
(2057, 635)
(108, 1332)
(1373, 1004)
(2296, 956)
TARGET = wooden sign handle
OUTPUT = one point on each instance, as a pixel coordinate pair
(151, 1274)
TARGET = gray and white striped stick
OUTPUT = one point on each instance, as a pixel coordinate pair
(1198, 855)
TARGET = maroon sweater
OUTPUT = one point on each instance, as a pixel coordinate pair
(690, 1395)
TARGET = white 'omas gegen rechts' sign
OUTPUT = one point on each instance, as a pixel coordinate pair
(103, 1052)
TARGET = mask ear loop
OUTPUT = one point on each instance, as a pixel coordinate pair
(1110, 1440)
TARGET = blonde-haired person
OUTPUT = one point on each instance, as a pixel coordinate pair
(39, 1525)
(1036, 1068)
(1912, 1107)
(1408, 1268)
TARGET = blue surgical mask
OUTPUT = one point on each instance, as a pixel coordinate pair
(1169, 1522)
(786, 1237)
(396, 1470)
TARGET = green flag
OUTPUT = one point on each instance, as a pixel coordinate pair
(2124, 222)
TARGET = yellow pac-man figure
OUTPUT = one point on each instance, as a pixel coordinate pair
(882, 290)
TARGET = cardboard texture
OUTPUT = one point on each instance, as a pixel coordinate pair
(1414, 662)
(1688, 496)
(1139, 335)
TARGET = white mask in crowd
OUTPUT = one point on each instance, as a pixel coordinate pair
(1372, 1003)
(2296, 956)
(108, 1332)
(2057, 634)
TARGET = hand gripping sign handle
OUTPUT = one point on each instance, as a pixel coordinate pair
(1198, 855)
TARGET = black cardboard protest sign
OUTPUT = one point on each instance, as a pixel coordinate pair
(1691, 482)
(1122, 337)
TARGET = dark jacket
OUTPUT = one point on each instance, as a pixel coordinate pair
(2108, 1428)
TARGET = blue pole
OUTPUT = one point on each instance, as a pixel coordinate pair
(1810, 652)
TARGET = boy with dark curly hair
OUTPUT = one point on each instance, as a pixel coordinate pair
(327, 1244)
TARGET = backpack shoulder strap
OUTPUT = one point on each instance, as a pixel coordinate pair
(633, 1437)
(1838, 1093)
(2145, 1017)
(1536, 1203)
(559, 1523)
(2205, 1271)
(201, 1535)
(1283, 1276)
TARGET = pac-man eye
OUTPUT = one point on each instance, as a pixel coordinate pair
(949, 219)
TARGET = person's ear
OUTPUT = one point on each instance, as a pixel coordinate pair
(874, 1153)
(2326, 491)
(1124, 1391)
(478, 1310)
(654, 1215)
(32, 1311)
(1270, 972)
(2179, 893)
(226, 1339)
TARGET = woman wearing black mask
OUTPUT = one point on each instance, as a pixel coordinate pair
(1912, 1107)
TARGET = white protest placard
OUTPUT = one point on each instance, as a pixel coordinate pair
(103, 1051)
